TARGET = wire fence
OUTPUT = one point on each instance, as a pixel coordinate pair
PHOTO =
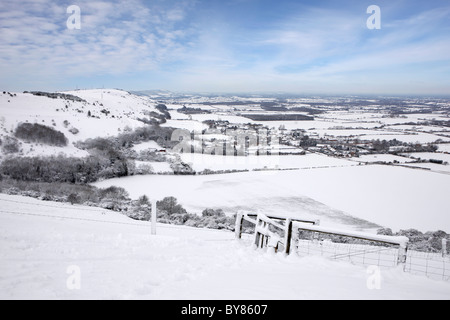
(359, 254)
(432, 265)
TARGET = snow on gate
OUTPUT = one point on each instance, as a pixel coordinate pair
(356, 247)
(306, 237)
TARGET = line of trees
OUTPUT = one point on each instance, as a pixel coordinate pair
(65, 169)
(278, 117)
(427, 242)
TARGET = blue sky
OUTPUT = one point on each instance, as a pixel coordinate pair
(308, 47)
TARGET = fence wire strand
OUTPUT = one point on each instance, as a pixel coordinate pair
(432, 265)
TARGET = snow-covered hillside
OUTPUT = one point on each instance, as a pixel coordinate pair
(99, 113)
(58, 251)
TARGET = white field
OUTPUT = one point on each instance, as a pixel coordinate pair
(200, 162)
(444, 148)
(371, 158)
(190, 125)
(318, 124)
(217, 117)
(408, 138)
(348, 133)
(158, 167)
(394, 197)
(51, 251)
(378, 117)
(438, 168)
(429, 156)
(422, 128)
(149, 145)
(351, 116)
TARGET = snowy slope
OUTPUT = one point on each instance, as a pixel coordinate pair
(111, 112)
(42, 243)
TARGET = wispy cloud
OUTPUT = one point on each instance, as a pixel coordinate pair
(116, 37)
(209, 45)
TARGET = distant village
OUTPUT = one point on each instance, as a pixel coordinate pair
(298, 142)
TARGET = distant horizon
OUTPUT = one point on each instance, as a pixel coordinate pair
(298, 94)
(273, 94)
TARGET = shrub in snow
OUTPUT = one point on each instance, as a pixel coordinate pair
(385, 232)
(139, 210)
(193, 222)
(73, 198)
(56, 96)
(180, 218)
(144, 169)
(10, 145)
(413, 235)
(170, 206)
(426, 242)
(181, 168)
(40, 134)
(213, 213)
(74, 131)
(210, 223)
(114, 192)
(139, 214)
(12, 191)
(144, 201)
(435, 240)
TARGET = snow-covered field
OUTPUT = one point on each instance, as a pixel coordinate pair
(393, 197)
(57, 251)
(431, 156)
(388, 158)
(444, 148)
(408, 138)
(438, 168)
(200, 162)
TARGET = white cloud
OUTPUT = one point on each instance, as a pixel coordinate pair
(115, 37)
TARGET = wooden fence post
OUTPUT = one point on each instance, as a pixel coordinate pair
(257, 235)
(444, 247)
(154, 217)
(238, 226)
(402, 254)
(288, 236)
